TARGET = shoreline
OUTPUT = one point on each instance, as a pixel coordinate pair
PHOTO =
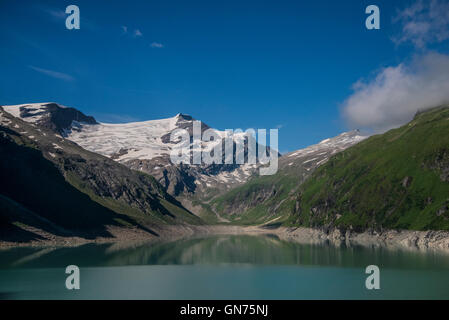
(399, 239)
(394, 239)
(134, 235)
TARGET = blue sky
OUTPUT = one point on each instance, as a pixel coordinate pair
(233, 64)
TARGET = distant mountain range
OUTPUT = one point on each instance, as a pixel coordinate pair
(144, 146)
(67, 174)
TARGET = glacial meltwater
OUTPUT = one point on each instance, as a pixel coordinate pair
(223, 267)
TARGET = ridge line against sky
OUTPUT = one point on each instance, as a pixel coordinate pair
(311, 69)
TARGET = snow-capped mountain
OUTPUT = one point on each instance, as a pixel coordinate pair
(49, 115)
(317, 154)
(53, 186)
(143, 140)
(143, 146)
(128, 141)
(146, 146)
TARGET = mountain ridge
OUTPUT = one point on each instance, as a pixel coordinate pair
(395, 180)
(69, 186)
(143, 146)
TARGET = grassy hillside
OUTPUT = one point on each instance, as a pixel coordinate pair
(262, 199)
(399, 179)
(271, 199)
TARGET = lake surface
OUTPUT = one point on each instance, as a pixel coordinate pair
(223, 267)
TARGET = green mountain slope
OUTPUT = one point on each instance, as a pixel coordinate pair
(399, 179)
(261, 199)
(271, 199)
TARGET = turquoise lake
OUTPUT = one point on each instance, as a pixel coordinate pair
(223, 267)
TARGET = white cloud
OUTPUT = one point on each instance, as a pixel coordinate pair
(394, 95)
(137, 33)
(424, 22)
(157, 45)
(125, 29)
(53, 74)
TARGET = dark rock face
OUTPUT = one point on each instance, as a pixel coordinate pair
(57, 118)
(441, 164)
(109, 179)
(444, 210)
(184, 122)
(297, 208)
(407, 181)
(177, 179)
(120, 153)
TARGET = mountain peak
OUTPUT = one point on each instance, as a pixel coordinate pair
(50, 115)
(185, 117)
